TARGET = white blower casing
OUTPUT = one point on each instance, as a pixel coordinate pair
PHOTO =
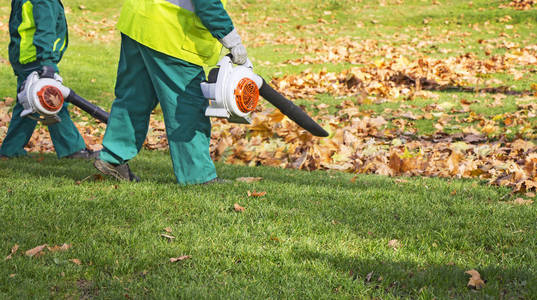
(235, 93)
(44, 96)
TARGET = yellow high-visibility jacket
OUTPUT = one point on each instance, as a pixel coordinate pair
(185, 29)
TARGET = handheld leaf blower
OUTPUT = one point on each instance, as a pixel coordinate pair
(233, 93)
(42, 96)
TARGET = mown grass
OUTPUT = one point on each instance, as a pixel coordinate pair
(313, 235)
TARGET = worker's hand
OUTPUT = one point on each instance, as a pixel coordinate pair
(239, 55)
(233, 42)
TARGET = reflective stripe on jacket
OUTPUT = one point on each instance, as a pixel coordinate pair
(38, 33)
(185, 29)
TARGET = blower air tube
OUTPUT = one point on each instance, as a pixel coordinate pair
(88, 107)
(292, 111)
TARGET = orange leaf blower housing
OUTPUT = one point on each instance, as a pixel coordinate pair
(246, 95)
(50, 97)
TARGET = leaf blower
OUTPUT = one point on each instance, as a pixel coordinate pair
(233, 93)
(42, 96)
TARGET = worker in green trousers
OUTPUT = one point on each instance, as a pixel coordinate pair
(165, 46)
(38, 38)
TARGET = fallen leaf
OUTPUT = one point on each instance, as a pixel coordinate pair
(168, 229)
(170, 237)
(35, 251)
(521, 201)
(475, 281)
(249, 179)
(368, 276)
(395, 244)
(180, 258)
(13, 251)
(238, 208)
(57, 248)
(256, 194)
(12, 275)
(76, 261)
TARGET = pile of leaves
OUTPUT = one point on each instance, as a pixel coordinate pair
(395, 75)
(520, 4)
(358, 144)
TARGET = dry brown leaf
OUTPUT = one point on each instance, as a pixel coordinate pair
(169, 237)
(394, 244)
(521, 201)
(368, 276)
(13, 251)
(168, 229)
(76, 261)
(475, 280)
(57, 248)
(180, 258)
(238, 208)
(35, 251)
(256, 194)
(249, 179)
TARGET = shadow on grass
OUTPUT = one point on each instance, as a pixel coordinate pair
(405, 278)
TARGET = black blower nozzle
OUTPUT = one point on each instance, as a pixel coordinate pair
(289, 109)
(92, 109)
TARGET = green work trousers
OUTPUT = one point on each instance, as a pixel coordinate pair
(145, 78)
(65, 136)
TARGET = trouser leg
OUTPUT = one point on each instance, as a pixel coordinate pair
(18, 133)
(177, 86)
(135, 99)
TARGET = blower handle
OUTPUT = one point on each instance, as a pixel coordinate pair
(247, 64)
(289, 109)
(88, 107)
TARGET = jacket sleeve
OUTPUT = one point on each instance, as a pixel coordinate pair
(45, 19)
(213, 16)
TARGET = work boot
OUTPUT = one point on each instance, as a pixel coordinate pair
(84, 154)
(120, 172)
(217, 180)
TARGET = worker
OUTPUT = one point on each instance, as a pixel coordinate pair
(38, 38)
(165, 46)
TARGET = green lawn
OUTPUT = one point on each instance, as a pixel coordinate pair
(313, 235)
(319, 234)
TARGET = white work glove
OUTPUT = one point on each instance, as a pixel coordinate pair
(232, 41)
